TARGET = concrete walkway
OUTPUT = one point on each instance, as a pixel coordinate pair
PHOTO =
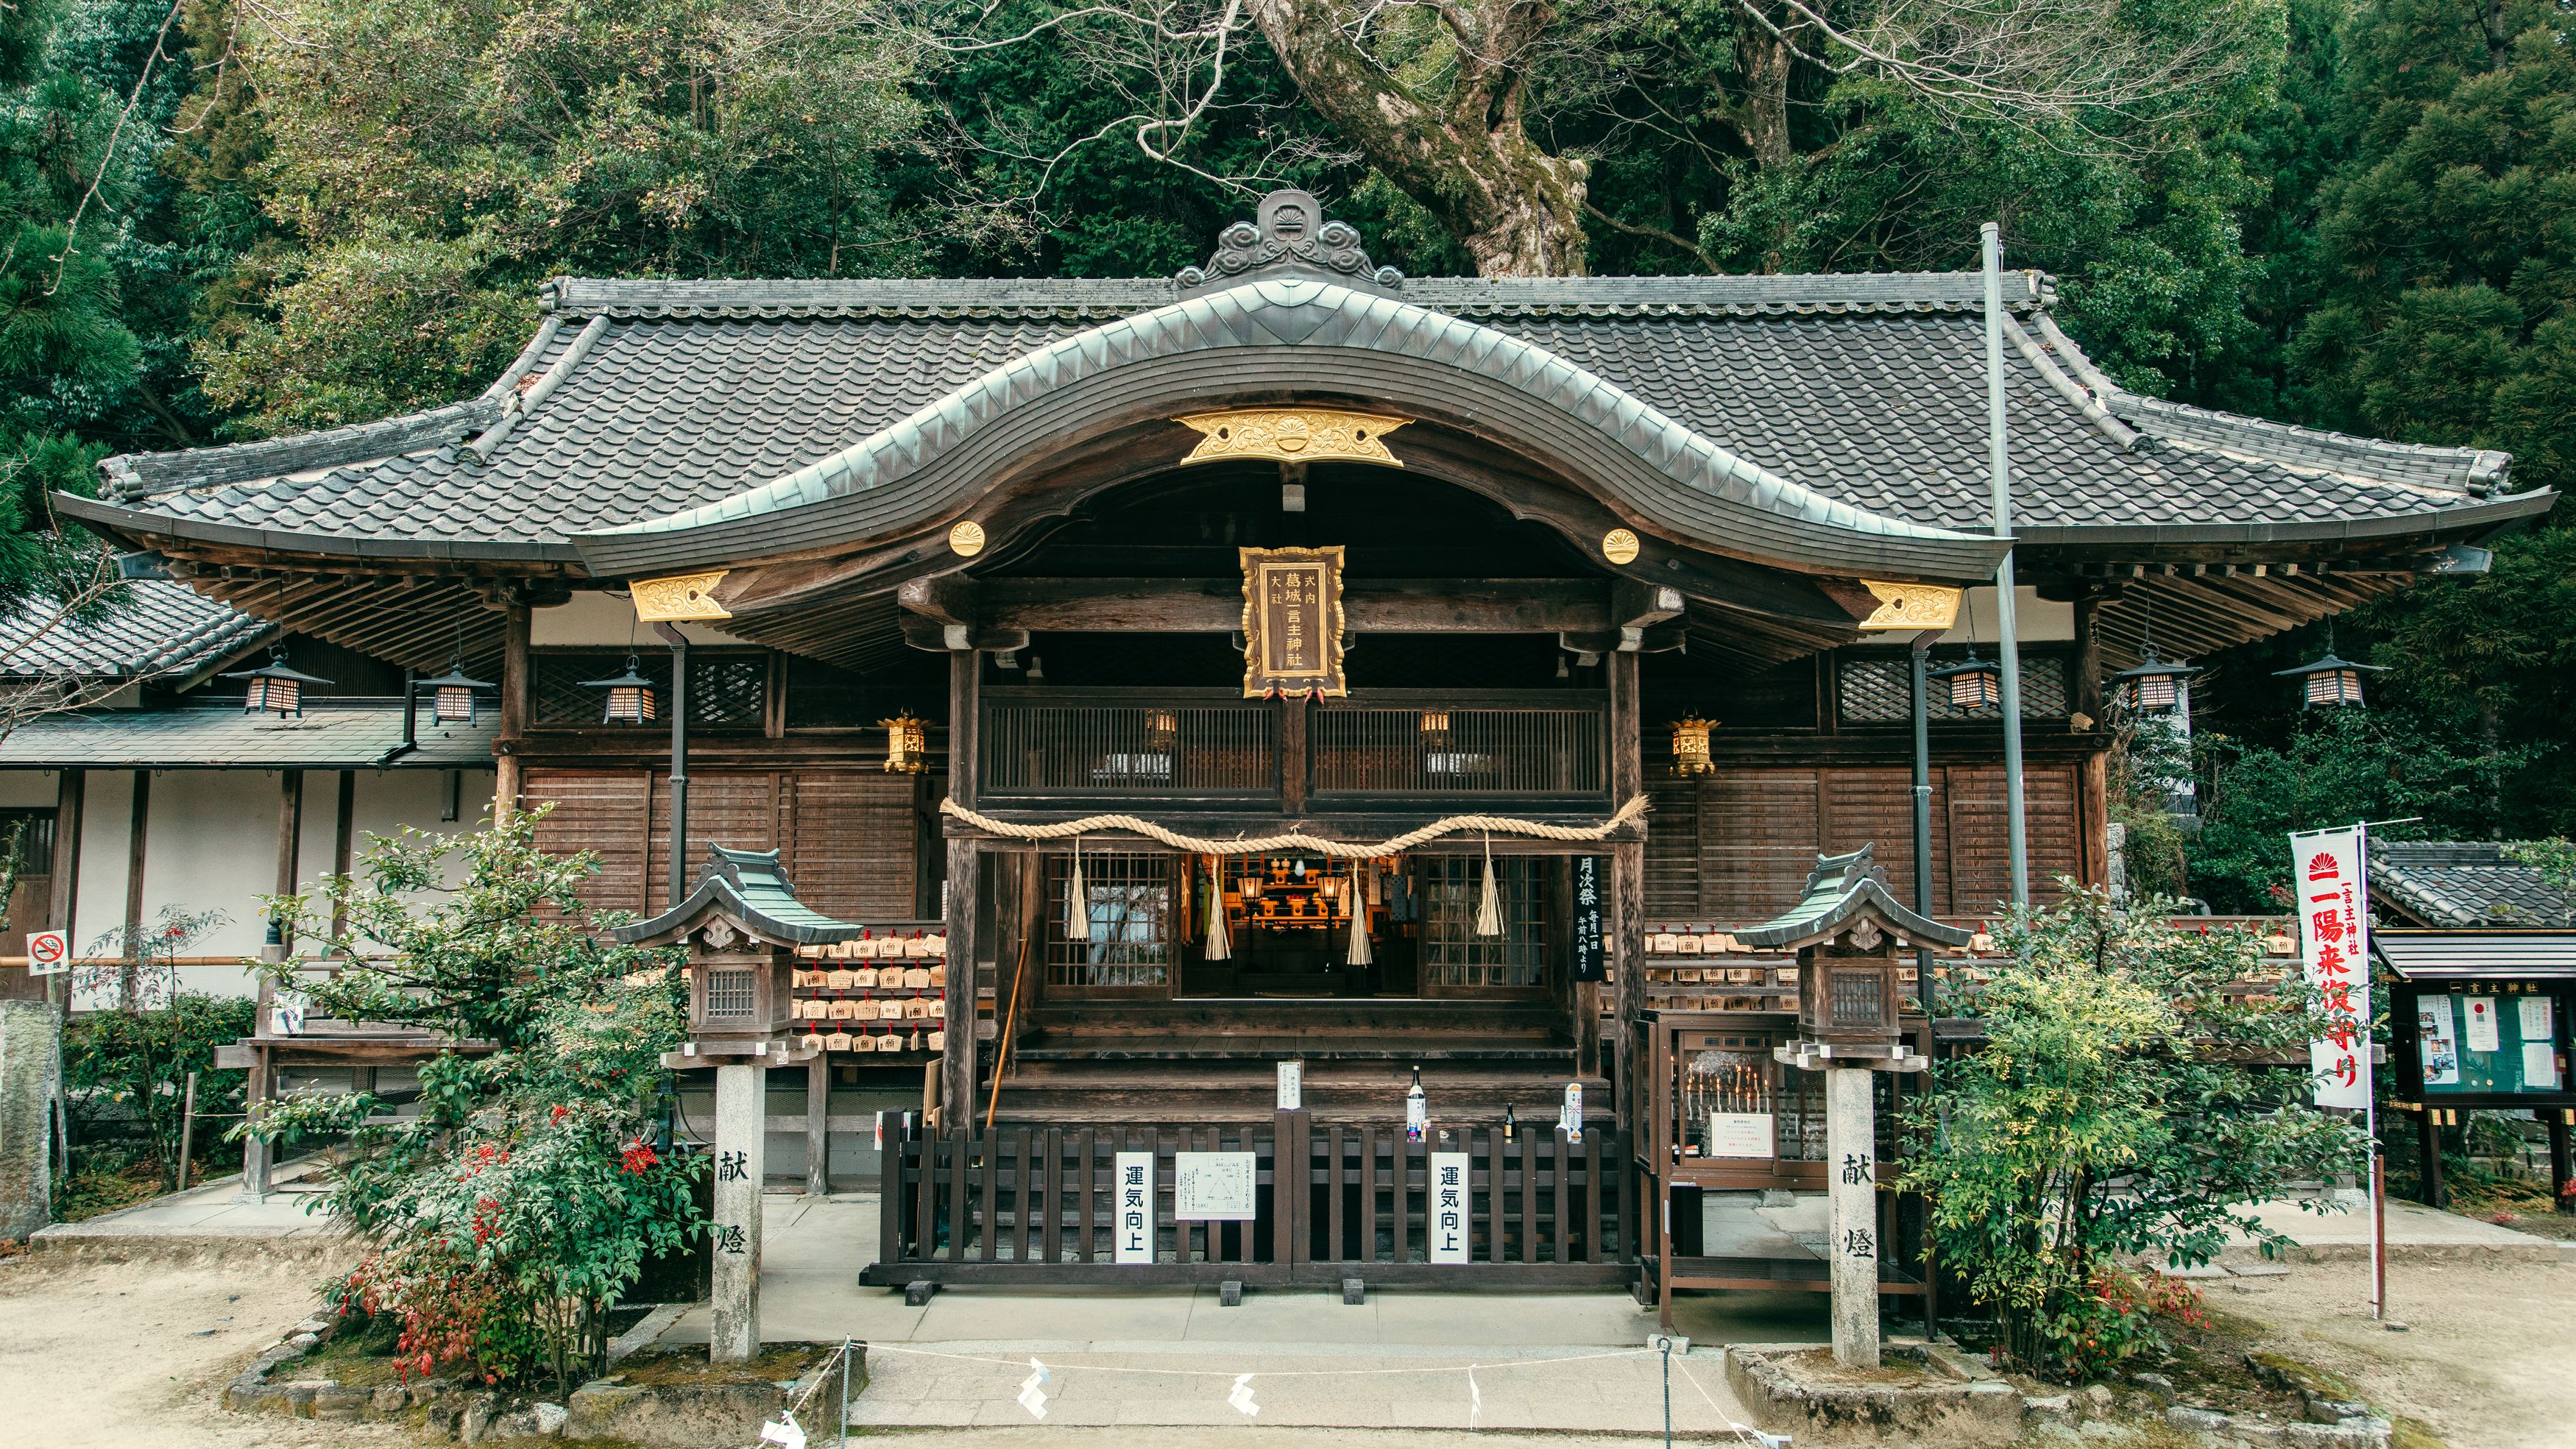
(214, 1213)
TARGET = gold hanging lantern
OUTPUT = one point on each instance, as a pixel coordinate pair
(1690, 746)
(1162, 730)
(1435, 729)
(907, 745)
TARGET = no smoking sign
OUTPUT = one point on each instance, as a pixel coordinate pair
(48, 952)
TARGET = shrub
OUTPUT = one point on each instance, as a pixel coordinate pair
(2113, 1115)
(125, 1073)
(508, 1215)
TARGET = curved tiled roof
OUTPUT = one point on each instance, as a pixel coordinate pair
(1864, 391)
(1293, 329)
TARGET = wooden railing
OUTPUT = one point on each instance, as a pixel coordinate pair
(1182, 747)
(1040, 1204)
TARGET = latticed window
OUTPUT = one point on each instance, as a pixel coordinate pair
(726, 691)
(1128, 901)
(733, 996)
(1880, 690)
(1452, 953)
(1858, 998)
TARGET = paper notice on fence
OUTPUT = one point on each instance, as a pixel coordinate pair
(1135, 1207)
(2539, 1066)
(1212, 1186)
(1450, 1203)
(2438, 1042)
(2537, 1024)
(1740, 1134)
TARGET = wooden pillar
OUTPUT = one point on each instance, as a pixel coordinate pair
(129, 978)
(2428, 1155)
(1293, 764)
(957, 1060)
(344, 836)
(818, 1125)
(508, 782)
(965, 695)
(2088, 656)
(258, 1152)
(290, 831)
(1628, 894)
(2561, 1168)
(71, 799)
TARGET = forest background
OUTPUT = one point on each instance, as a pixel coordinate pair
(227, 219)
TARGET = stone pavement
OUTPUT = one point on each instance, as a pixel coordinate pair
(2416, 1234)
(215, 1213)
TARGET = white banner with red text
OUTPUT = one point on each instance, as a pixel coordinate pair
(2329, 876)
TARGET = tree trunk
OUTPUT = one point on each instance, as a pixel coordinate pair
(1517, 210)
(1762, 117)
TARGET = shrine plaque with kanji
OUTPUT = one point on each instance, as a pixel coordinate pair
(1292, 621)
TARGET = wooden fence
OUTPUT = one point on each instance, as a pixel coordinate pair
(1038, 1204)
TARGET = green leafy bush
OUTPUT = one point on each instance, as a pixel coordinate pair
(2119, 1111)
(527, 1194)
(125, 1078)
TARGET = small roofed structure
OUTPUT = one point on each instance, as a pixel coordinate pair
(2464, 883)
(742, 926)
(1847, 929)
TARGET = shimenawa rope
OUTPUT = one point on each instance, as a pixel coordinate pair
(1302, 843)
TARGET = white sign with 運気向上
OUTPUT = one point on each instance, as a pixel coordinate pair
(2334, 952)
(1448, 1208)
(1134, 1222)
(1213, 1186)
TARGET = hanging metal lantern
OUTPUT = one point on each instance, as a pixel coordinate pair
(451, 695)
(907, 745)
(2332, 681)
(1974, 683)
(1435, 729)
(1162, 730)
(274, 688)
(630, 695)
(2154, 685)
(1690, 746)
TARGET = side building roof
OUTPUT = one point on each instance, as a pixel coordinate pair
(153, 628)
(2464, 883)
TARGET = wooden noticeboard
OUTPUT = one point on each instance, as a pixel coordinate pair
(1292, 621)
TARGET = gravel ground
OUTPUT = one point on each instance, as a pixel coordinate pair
(2486, 1361)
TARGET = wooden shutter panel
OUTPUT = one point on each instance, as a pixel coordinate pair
(1759, 834)
(601, 811)
(1980, 841)
(734, 809)
(855, 844)
(1875, 807)
(1673, 874)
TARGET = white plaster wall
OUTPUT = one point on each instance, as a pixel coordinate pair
(600, 619)
(2036, 620)
(37, 789)
(210, 842)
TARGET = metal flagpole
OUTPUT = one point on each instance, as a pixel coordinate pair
(1999, 466)
(2370, 1117)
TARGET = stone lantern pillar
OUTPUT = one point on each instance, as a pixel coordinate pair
(741, 926)
(1850, 933)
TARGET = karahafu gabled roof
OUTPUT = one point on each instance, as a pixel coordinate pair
(748, 888)
(1841, 890)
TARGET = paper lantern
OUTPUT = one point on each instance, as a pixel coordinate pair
(274, 688)
(2330, 681)
(630, 695)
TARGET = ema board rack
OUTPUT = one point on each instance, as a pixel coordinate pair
(883, 993)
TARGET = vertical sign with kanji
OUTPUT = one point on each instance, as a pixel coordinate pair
(1447, 1222)
(1292, 621)
(1133, 1220)
(2334, 949)
(1589, 958)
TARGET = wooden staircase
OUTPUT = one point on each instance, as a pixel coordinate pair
(1216, 1061)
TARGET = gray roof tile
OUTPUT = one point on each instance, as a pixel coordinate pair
(156, 628)
(2465, 883)
(1868, 390)
(331, 734)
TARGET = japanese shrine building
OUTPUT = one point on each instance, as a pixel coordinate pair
(1569, 513)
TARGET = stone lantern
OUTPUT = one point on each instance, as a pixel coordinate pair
(741, 926)
(1850, 933)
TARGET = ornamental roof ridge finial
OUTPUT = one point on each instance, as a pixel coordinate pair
(1288, 234)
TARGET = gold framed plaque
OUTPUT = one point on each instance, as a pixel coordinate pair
(1292, 621)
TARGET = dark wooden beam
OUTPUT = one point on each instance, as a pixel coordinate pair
(943, 598)
(1636, 605)
(1215, 606)
(938, 638)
